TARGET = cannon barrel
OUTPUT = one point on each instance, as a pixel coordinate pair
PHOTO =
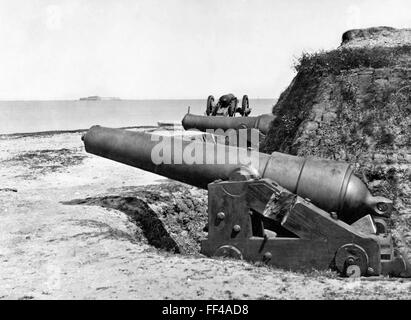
(329, 184)
(202, 123)
(136, 148)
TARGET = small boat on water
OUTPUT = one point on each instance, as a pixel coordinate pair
(169, 123)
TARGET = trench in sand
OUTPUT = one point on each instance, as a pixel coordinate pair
(169, 216)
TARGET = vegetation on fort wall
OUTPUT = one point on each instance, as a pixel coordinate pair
(333, 62)
(291, 109)
(324, 69)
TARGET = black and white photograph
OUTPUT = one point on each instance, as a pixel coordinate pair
(185, 151)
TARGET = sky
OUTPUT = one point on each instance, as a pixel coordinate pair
(171, 49)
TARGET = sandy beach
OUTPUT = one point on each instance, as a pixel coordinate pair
(72, 228)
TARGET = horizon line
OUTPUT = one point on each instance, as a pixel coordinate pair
(117, 99)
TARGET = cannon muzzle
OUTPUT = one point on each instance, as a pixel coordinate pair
(329, 184)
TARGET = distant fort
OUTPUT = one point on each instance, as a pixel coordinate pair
(98, 98)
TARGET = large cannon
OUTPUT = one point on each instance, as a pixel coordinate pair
(285, 210)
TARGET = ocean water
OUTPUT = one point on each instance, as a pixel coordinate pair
(37, 116)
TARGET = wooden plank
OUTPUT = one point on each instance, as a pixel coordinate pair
(235, 209)
(259, 193)
(287, 253)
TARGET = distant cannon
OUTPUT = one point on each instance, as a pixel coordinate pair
(230, 126)
(227, 106)
(284, 210)
(204, 123)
